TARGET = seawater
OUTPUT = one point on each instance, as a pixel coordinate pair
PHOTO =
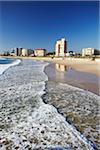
(5, 63)
(26, 122)
(6, 60)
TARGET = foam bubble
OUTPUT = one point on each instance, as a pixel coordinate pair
(4, 67)
(26, 122)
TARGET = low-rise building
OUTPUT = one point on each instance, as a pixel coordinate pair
(70, 54)
(40, 52)
(90, 52)
(26, 52)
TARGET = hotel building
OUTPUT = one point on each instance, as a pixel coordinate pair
(26, 52)
(19, 51)
(40, 52)
(16, 51)
(90, 52)
(61, 47)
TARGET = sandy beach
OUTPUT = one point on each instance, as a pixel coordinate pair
(80, 64)
(67, 74)
(88, 66)
(82, 67)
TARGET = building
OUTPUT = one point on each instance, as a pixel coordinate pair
(70, 54)
(16, 52)
(90, 52)
(30, 52)
(61, 47)
(26, 52)
(40, 52)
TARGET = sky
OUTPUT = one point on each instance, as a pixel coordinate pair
(39, 24)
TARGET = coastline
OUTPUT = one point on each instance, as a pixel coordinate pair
(4, 67)
(27, 122)
(79, 64)
(69, 75)
(78, 106)
(83, 67)
(49, 75)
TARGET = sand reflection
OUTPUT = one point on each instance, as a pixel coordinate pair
(61, 67)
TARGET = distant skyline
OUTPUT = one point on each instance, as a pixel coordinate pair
(38, 24)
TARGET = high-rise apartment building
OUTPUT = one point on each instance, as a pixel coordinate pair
(61, 47)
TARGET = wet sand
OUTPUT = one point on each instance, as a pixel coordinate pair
(83, 65)
(67, 74)
(80, 64)
(79, 106)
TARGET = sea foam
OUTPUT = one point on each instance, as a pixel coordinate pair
(26, 122)
(4, 67)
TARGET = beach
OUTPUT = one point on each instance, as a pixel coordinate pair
(80, 64)
(40, 113)
(49, 75)
(78, 105)
(68, 74)
(88, 70)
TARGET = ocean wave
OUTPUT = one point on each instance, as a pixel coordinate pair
(26, 121)
(4, 67)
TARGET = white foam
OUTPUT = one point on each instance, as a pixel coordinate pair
(27, 117)
(4, 67)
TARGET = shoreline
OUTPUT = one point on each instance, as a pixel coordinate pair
(29, 122)
(4, 67)
(74, 118)
(87, 73)
(83, 80)
(77, 113)
(79, 64)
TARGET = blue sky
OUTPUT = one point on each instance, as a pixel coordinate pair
(39, 24)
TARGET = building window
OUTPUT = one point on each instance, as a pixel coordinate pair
(59, 48)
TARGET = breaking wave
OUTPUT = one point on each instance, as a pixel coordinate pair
(5, 66)
(26, 122)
